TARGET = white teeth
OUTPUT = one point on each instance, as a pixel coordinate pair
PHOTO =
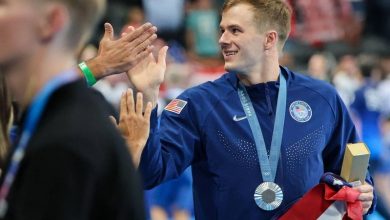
(230, 53)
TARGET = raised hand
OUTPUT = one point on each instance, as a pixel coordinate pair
(134, 124)
(147, 76)
(117, 56)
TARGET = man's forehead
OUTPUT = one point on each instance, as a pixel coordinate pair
(238, 15)
(239, 8)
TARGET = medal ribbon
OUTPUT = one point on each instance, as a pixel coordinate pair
(34, 113)
(269, 165)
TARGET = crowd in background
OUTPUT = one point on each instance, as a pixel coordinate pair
(344, 42)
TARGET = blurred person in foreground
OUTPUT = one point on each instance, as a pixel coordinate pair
(6, 116)
(214, 127)
(68, 161)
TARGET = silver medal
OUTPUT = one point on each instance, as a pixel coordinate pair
(268, 196)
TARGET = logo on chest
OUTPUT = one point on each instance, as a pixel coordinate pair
(300, 111)
(238, 118)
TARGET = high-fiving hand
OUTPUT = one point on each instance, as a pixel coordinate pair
(119, 55)
(147, 76)
(134, 123)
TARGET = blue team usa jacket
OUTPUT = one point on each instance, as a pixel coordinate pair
(206, 127)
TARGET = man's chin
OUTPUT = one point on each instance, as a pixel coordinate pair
(231, 68)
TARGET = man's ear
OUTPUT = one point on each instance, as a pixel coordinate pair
(271, 38)
(55, 19)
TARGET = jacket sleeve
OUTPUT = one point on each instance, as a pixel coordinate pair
(344, 132)
(173, 145)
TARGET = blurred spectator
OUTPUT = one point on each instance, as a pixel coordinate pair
(117, 11)
(202, 27)
(168, 17)
(347, 78)
(116, 14)
(319, 66)
(384, 87)
(366, 112)
(135, 18)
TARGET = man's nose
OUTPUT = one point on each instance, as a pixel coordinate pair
(223, 39)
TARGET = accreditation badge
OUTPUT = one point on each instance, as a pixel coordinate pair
(268, 196)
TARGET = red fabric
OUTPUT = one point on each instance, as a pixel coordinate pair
(350, 196)
(318, 199)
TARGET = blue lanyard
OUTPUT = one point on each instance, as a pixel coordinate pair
(269, 165)
(34, 113)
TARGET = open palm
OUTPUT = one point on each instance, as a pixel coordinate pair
(134, 123)
(148, 74)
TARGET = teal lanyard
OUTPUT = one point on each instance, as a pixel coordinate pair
(269, 165)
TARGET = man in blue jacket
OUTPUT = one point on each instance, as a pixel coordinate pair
(259, 137)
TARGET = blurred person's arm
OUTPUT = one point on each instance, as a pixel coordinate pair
(117, 56)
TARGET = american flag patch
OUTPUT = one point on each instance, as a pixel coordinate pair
(176, 106)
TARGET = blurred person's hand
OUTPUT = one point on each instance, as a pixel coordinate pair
(117, 56)
(147, 76)
(134, 123)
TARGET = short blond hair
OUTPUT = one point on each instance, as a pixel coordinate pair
(269, 14)
(84, 15)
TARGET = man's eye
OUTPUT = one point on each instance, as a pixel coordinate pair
(235, 30)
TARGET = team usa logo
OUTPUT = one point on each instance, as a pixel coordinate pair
(300, 111)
